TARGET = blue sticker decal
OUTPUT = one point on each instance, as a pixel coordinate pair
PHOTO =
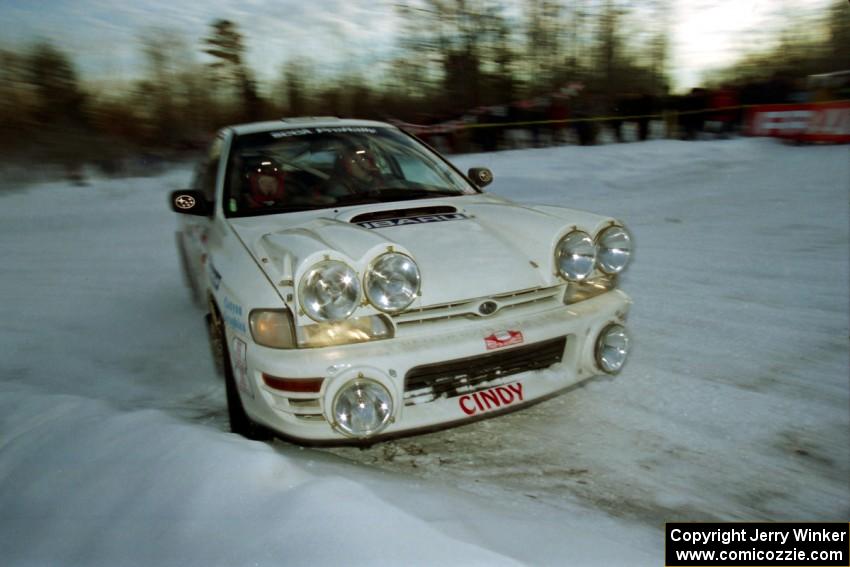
(233, 315)
(232, 307)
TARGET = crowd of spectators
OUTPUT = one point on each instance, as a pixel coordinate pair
(581, 116)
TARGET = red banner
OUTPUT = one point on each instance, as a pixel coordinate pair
(828, 122)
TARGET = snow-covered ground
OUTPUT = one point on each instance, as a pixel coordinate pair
(735, 404)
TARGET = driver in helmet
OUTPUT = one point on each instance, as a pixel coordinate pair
(265, 184)
(355, 171)
(360, 164)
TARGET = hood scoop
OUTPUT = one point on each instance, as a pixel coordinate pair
(406, 213)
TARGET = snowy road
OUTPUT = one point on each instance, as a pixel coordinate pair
(735, 405)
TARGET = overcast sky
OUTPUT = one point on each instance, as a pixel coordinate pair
(103, 35)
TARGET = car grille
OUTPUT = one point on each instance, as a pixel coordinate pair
(429, 382)
(536, 298)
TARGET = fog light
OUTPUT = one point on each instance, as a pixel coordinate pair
(612, 348)
(362, 408)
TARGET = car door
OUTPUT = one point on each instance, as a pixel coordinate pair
(195, 230)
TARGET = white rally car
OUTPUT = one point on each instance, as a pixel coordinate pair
(359, 287)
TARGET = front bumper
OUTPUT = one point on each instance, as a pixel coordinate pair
(304, 416)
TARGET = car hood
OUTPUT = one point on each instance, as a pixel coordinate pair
(466, 247)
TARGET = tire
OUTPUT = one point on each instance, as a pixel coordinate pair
(216, 338)
(240, 423)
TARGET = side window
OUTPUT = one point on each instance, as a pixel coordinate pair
(208, 170)
(417, 171)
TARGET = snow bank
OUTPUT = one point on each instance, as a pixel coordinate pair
(87, 485)
(84, 485)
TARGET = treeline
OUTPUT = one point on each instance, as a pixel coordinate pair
(451, 56)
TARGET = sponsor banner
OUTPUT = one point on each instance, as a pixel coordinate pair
(763, 544)
(828, 122)
(323, 130)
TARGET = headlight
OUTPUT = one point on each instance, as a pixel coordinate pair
(613, 249)
(612, 348)
(392, 282)
(575, 255)
(272, 328)
(362, 408)
(329, 291)
(355, 330)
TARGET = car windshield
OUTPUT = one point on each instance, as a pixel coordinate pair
(319, 167)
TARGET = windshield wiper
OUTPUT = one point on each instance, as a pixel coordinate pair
(390, 194)
(279, 210)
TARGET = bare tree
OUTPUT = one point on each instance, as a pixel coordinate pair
(225, 45)
(294, 85)
(16, 118)
(544, 44)
(59, 96)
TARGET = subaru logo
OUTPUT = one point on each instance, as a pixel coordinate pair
(184, 202)
(488, 308)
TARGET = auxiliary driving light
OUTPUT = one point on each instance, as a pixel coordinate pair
(612, 348)
(392, 282)
(329, 291)
(362, 408)
(575, 256)
(613, 249)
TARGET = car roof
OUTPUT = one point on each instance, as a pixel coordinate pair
(303, 122)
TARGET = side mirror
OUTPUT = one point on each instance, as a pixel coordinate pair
(189, 202)
(481, 176)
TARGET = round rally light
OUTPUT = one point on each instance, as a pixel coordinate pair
(392, 282)
(362, 408)
(575, 256)
(613, 249)
(612, 348)
(329, 291)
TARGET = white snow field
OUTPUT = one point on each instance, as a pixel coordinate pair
(114, 447)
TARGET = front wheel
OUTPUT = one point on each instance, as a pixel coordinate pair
(240, 423)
